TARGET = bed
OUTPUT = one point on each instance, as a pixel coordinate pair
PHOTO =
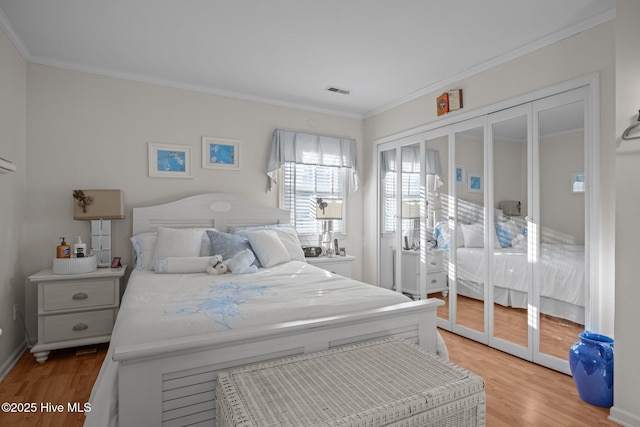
(176, 330)
(561, 270)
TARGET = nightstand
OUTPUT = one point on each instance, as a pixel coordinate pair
(436, 275)
(337, 264)
(75, 309)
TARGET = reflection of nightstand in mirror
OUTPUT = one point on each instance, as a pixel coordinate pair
(338, 264)
(436, 275)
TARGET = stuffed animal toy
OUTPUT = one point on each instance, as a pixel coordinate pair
(241, 262)
(217, 265)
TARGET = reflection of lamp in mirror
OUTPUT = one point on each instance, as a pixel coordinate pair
(510, 207)
(411, 237)
(328, 210)
(99, 207)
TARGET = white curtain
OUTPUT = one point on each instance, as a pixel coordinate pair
(309, 149)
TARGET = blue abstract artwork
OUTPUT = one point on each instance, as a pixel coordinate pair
(171, 161)
(222, 154)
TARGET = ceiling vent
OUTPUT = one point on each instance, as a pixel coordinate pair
(338, 90)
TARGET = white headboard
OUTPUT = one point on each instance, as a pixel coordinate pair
(217, 210)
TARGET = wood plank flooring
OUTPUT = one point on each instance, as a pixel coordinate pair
(64, 378)
(519, 393)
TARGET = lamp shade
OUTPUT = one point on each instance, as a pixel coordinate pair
(329, 209)
(410, 210)
(98, 204)
(510, 207)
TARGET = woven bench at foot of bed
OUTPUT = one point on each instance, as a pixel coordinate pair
(378, 383)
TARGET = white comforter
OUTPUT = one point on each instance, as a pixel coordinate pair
(562, 270)
(164, 306)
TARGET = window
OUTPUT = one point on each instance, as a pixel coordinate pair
(410, 193)
(302, 185)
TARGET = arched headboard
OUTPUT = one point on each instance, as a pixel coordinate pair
(217, 210)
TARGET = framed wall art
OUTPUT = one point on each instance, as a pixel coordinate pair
(220, 153)
(475, 183)
(169, 161)
(460, 175)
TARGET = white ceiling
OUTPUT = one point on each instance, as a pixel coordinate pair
(287, 52)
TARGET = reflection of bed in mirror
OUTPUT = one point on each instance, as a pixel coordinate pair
(562, 270)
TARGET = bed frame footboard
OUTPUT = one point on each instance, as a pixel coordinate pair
(172, 383)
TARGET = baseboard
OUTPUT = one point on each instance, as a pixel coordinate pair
(624, 418)
(13, 359)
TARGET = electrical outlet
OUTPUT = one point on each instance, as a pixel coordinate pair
(15, 312)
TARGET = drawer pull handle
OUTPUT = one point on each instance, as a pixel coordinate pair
(80, 327)
(80, 295)
(433, 263)
(434, 280)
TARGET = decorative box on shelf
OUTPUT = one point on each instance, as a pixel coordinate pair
(75, 265)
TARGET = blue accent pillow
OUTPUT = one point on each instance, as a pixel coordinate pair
(228, 245)
(504, 235)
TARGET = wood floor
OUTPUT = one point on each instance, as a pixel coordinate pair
(519, 393)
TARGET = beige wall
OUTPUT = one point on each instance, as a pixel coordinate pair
(89, 132)
(13, 89)
(588, 52)
(627, 345)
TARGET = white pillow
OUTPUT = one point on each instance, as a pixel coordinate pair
(177, 242)
(268, 247)
(474, 236)
(143, 245)
(287, 234)
(177, 265)
(289, 238)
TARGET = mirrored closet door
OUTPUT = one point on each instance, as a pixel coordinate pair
(493, 216)
(510, 278)
(561, 233)
(468, 235)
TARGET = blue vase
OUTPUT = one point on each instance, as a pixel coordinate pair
(591, 363)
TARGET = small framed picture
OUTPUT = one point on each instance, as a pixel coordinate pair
(116, 262)
(220, 153)
(169, 161)
(460, 175)
(455, 99)
(474, 183)
(442, 104)
(577, 182)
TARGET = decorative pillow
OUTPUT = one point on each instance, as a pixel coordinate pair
(287, 234)
(205, 244)
(177, 242)
(474, 236)
(268, 247)
(143, 245)
(442, 235)
(506, 232)
(180, 265)
(227, 245)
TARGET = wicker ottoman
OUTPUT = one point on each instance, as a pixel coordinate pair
(378, 383)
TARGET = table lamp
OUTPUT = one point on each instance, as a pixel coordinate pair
(99, 207)
(328, 210)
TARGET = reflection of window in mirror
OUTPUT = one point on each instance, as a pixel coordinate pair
(577, 182)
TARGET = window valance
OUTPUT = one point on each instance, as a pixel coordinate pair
(309, 149)
(411, 161)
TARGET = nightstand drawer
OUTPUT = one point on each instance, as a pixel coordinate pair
(435, 261)
(61, 296)
(436, 281)
(73, 326)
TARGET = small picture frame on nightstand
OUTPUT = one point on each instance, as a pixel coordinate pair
(116, 262)
(343, 252)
